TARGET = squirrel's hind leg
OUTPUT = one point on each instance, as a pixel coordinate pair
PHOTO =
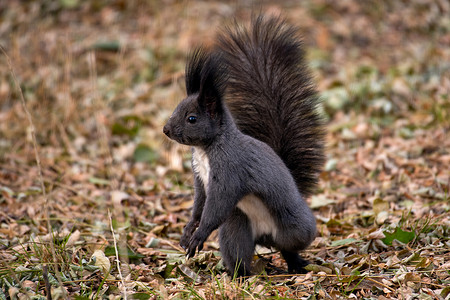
(296, 264)
(236, 243)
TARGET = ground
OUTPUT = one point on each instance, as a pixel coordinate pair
(86, 176)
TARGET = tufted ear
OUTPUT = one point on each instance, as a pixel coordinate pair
(212, 86)
(195, 64)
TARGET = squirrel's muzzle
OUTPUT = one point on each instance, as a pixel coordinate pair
(166, 130)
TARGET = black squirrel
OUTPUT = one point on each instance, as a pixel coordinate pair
(251, 115)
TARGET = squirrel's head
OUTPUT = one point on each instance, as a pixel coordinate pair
(198, 119)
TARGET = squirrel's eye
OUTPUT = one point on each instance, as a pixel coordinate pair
(192, 119)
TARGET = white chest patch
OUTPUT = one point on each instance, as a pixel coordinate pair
(200, 164)
(260, 218)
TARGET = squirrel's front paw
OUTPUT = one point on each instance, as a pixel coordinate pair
(184, 241)
(195, 242)
(187, 234)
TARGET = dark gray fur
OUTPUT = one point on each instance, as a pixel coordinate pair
(269, 81)
(241, 165)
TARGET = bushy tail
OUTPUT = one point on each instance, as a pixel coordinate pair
(271, 96)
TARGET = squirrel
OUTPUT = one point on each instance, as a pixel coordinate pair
(251, 116)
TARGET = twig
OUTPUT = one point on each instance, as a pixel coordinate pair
(174, 246)
(47, 283)
(380, 283)
(117, 257)
(38, 162)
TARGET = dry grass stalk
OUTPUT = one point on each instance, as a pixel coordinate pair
(117, 257)
(38, 162)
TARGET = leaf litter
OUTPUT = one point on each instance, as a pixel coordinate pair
(101, 78)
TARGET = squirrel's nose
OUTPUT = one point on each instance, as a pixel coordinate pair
(166, 130)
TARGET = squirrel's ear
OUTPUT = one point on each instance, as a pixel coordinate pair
(195, 64)
(212, 86)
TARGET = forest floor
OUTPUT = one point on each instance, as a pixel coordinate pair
(88, 182)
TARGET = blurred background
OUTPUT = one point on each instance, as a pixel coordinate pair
(100, 78)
